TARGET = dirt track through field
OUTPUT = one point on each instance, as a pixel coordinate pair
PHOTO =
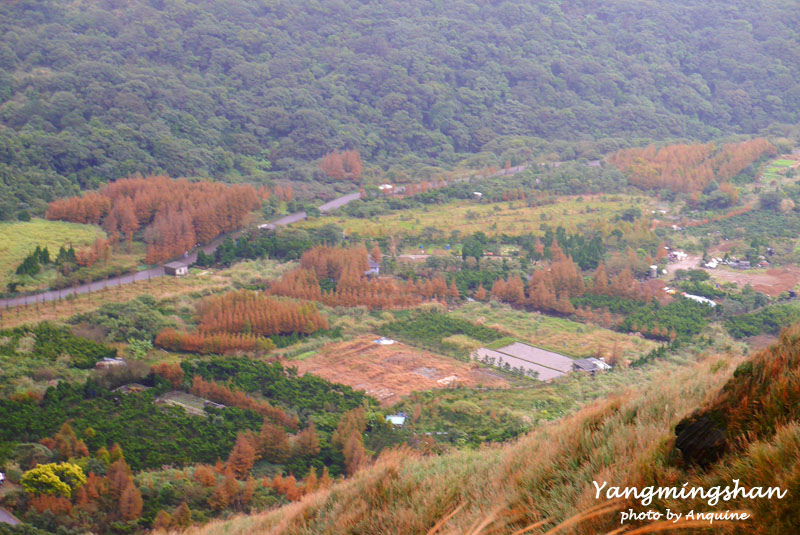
(389, 372)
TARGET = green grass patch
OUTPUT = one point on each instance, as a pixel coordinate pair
(305, 355)
(436, 331)
(502, 342)
(18, 239)
(491, 218)
(782, 163)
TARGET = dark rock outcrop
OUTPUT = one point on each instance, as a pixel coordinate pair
(702, 439)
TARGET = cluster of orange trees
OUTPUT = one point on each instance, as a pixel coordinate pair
(242, 320)
(336, 263)
(247, 311)
(113, 495)
(551, 289)
(100, 249)
(347, 267)
(283, 193)
(689, 168)
(345, 165)
(272, 444)
(229, 486)
(208, 343)
(176, 215)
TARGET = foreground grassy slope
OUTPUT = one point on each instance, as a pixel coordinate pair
(627, 439)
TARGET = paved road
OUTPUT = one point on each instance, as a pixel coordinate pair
(338, 203)
(113, 282)
(148, 274)
(285, 220)
(7, 518)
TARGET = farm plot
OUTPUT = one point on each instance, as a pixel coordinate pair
(776, 169)
(772, 282)
(555, 334)
(390, 372)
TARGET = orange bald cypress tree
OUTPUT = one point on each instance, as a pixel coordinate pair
(352, 165)
(332, 165)
(242, 457)
(130, 502)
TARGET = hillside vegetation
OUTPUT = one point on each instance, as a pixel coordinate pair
(94, 91)
(546, 477)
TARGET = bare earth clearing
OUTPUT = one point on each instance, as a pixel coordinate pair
(392, 371)
(772, 281)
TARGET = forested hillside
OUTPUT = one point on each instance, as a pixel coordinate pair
(96, 90)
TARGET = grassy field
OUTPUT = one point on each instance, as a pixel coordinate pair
(253, 273)
(19, 239)
(573, 213)
(776, 169)
(556, 334)
(783, 163)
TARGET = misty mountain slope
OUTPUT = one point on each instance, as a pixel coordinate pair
(628, 440)
(91, 91)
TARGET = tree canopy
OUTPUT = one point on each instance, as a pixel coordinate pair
(239, 89)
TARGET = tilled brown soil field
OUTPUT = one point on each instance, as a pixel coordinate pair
(389, 372)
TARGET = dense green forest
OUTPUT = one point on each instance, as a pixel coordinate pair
(253, 90)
